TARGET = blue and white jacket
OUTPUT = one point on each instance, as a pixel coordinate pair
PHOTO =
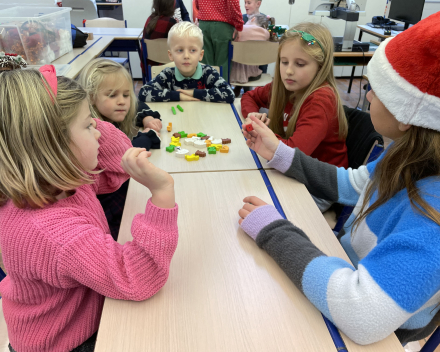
(393, 284)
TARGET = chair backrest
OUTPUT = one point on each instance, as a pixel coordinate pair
(157, 50)
(81, 10)
(105, 22)
(254, 52)
(361, 138)
(155, 70)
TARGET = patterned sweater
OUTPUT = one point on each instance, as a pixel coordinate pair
(61, 260)
(211, 87)
(394, 282)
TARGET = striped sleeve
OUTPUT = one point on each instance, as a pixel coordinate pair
(321, 179)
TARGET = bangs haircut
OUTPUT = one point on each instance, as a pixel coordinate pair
(92, 77)
(185, 29)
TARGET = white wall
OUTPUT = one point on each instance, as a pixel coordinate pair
(136, 13)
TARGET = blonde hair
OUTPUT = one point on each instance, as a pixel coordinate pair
(36, 163)
(91, 78)
(187, 29)
(412, 157)
(280, 96)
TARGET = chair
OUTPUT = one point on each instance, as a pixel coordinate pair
(155, 70)
(81, 10)
(155, 50)
(106, 22)
(364, 145)
(253, 52)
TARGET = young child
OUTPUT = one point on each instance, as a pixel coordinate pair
(254, 29)
(60, 258)
(221, 22)
(189, 80)
(159, 23)
(305, 109)
(252, 8)
(112, 98)
(392, 237)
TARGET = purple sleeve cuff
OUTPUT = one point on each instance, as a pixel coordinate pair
(282, 158)
(258, 219)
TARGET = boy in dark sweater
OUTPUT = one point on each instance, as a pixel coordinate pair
(189, 80)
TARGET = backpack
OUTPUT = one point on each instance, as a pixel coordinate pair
(79, 39)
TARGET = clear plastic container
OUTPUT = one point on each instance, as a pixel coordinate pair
(39, 34)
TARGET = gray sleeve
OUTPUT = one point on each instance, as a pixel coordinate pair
(320, 178)
(290, 247)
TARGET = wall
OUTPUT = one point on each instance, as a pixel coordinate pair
(136, 13)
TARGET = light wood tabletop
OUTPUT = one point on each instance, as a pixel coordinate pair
(213, 119)
(223, 292)
(79, 57)
(300, 209)
(117, 33)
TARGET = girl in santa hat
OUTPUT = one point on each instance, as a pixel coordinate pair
(393, 236)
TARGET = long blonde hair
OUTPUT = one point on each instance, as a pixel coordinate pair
(36, 163)
(91, 78)
(280, 96)
(412, 157)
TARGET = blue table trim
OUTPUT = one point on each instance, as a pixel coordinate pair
(334, 333)
(84, 51)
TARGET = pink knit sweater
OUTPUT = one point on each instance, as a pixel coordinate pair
(61, 260)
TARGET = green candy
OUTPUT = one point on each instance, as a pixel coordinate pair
(200, 134)
(173, 110)
(170, 148)
(212, 150)
(180, 108)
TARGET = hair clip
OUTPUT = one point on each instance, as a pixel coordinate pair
(308, 38)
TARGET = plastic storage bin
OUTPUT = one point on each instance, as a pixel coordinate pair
(39, 34)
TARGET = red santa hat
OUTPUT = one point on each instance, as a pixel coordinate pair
(405, 74)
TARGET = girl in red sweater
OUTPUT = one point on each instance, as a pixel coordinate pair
(59, 255)
(305, 109)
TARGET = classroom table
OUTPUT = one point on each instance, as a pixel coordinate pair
(377, 32)
(223, 292)
(79, 57)
(107, 6)
(299, 208)
(213, 119)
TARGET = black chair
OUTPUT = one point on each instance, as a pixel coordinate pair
(362, 141)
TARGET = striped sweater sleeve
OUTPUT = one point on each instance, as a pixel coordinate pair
(322, 180)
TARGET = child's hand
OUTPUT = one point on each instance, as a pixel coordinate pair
(151, 122)
(185, 97)
(261, 140)
(251, 203)
(236, 36)
(262, 117)
(155, 124)
(161, 185)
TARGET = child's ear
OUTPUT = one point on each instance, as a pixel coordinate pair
(202, 52)
(170, 56)
(258, 4)
(404, 127)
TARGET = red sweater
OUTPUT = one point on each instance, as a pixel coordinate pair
(222, 11)
(61, 260)
(317, 127)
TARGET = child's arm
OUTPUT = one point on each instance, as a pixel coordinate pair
(147, 118)
(393, 283)
(321, 179)
(183, 12)
(160, 88)
(217, 90)
(113, 144)
(255, 99)
(137, 269)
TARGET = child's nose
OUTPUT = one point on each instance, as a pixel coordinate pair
(97, 134)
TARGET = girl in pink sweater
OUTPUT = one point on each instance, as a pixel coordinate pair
(59, 255)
